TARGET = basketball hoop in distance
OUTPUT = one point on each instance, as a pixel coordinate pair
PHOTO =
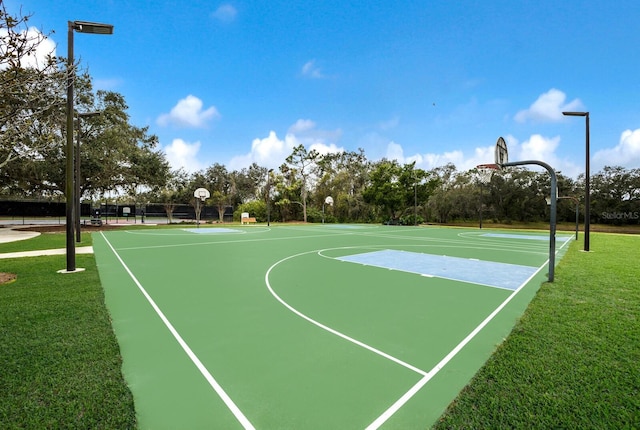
(201, 194)
(486, 171)
(501, 152)
(327, 201)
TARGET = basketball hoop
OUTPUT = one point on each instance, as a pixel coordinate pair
(202, 194)
(501, 152)
(486, 171)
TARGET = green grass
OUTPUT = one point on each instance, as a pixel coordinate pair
(572, 360)
(43, 241)
(59, 359)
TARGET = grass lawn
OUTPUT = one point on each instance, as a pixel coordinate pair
(59, 359)
(571, 361)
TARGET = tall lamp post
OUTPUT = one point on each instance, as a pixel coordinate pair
(269, 197)
(81, 27)
(587, 192)
(415, 199)
(77, 170)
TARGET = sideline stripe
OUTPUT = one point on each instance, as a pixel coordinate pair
(525, 236)
(211, 230)
(203, 370)
(409, 394)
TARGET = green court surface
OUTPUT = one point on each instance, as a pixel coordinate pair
(311, 327)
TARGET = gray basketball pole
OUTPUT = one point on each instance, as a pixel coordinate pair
(552, 216)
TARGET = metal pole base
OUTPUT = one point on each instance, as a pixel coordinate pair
(78, 269)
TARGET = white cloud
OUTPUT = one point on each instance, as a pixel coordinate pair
(39, 57)
(539, 148)
(425, 161)
(181, 154)
(302, 126)
(324, 149)
(269, 152)
(188, 113)
(310, 70)
(272, 151)
(549, 107)
(225, 13)
(395, 152)
(626, 153)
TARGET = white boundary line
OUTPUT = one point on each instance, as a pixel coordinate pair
(427, 376)
(201, 367)
(409, 394)
(329, 329)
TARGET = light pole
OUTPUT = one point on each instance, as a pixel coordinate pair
(587, 192)
(552, 215)
(269, 197)
(415, 199)
(81, 27)
(77, 169)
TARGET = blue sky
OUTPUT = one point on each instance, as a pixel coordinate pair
(236, 82)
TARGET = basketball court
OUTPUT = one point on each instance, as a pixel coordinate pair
(315, 326)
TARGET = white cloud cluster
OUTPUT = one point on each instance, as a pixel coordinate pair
(45, 47)
(181, 154)
(538, 148)
(272, 151)
(626, 153)
(188, 113)
(302, 126)
(549, 107)
(310, 70)
(424, 161)
(225, 13)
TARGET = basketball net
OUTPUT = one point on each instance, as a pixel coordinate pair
(486, 171)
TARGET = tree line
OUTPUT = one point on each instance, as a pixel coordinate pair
(122, 161)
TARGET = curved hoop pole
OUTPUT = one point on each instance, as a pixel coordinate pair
(552, 216)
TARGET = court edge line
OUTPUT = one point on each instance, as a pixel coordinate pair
(433, 372)
(222, 242)
(194, 358)
(329, 329)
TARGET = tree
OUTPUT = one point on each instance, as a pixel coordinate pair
(301, 164)
(343, 176)
(220, 186)
(174, 191)
(385, 188)
(116, 155)
(30, 89)
(615, 194)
